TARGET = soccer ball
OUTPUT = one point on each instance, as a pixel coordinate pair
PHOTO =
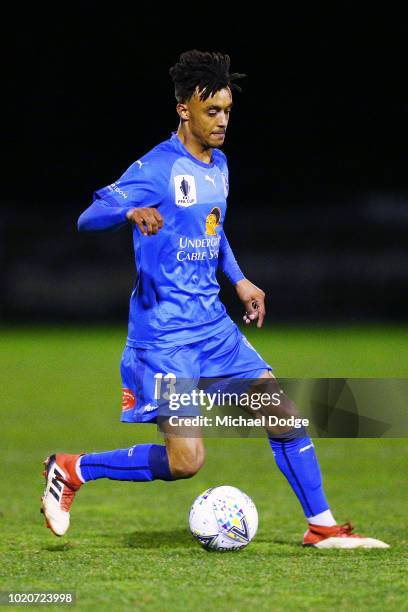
(223, 518)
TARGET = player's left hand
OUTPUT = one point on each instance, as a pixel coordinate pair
(253, 299)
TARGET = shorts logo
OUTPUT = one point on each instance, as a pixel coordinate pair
(128, 400)
(185, 190)
(149, 407)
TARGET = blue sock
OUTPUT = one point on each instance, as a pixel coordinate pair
(143, 462)
(296, 459)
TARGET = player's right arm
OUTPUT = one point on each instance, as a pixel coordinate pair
(101, 216)
(133, 198)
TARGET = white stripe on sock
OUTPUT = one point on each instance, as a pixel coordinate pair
(305, 448)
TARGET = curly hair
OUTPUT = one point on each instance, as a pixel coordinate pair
(207, 71)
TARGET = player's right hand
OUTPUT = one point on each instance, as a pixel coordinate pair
(148, 220)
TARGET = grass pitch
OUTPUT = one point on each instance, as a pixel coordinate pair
(129, 545)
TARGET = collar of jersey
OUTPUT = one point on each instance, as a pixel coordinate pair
(185, 151)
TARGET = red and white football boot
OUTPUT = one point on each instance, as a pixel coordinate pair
(338, 536)
(61, 484)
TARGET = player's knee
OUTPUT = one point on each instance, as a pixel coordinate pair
(187, 462)
(280, 410)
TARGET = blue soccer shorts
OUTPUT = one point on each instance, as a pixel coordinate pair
(148, 373)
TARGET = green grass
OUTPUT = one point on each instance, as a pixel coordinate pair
(129, 545)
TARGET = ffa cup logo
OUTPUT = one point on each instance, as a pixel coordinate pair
(185, 190)
(212, 221)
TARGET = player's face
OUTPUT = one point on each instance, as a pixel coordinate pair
(208, 119)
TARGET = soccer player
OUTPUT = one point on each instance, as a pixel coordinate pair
(174, 197)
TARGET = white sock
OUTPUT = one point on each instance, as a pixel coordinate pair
(78, 469)
(325, 519)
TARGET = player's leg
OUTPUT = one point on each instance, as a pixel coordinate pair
(296, 458)
(66, 473)
(292, 448)
(178, 458)
(181, 456)
(294, 452)
(185, 449)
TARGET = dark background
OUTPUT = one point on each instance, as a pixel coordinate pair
(317, 149)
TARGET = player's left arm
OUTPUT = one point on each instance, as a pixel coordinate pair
(250, 295)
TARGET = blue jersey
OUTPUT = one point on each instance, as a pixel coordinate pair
(175, 299)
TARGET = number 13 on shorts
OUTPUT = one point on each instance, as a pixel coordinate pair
(169, 383)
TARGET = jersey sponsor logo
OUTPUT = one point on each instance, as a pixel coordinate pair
(185, 190)
(198, 243)
(128, 400)
(115, 188)
(212, 221)
(207, 248)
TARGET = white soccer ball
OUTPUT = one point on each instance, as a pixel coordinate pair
(223, 518)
